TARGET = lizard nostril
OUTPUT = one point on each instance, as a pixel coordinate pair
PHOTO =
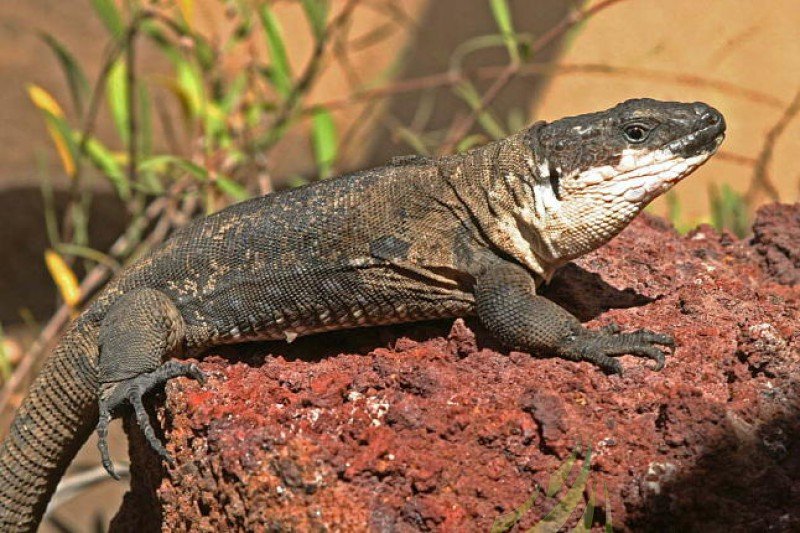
(710, 117)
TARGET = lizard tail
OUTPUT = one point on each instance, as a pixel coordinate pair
(52, 424)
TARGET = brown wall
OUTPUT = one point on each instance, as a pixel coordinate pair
(749, 44)
(746, 43)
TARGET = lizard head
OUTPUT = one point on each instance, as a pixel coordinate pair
(593, 173)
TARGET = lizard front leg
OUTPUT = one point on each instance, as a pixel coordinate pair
(507, 304)
(141, 330)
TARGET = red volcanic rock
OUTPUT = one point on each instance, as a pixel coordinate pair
(777, 239)
(417, 428)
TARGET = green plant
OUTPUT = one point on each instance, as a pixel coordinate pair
(729, 210)
(675, 213)
(215, 152)
(563, 507)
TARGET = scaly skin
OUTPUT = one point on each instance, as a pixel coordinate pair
(417, 239)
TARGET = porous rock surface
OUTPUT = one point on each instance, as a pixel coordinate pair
(433, 427)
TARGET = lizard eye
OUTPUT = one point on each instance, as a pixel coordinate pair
(636, 133)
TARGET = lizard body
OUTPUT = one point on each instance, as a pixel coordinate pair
(420, 238)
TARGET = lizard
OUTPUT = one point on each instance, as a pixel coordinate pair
(420, 238)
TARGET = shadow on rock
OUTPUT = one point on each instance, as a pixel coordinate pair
(586, 295)
(748, 480)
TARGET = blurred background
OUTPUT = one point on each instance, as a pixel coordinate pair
(120, 120)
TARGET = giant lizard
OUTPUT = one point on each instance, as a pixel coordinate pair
(420, 238)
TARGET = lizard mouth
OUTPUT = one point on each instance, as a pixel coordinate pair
(677, 159)
(705, 140)
(714, 143)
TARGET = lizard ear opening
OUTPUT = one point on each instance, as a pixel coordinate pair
(538, 159)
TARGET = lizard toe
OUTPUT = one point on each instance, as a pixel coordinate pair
(647, 336)
(102, 441)
(650, 352)
(143, 420)
(641, 343)
(131, 392)
(603, 346)
(606, 363)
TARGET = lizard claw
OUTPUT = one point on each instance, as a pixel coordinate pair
(131, 392)
(601, 347)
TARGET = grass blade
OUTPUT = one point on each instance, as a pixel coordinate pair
(66, 146)
(317, 13)
(56, 126)
(674, 209)
(88, 253)
(5, 363)
(560, 475)
(156, 34)
(467, 92)
(280, 70)
(470, 141)
(109, 15)
(609, 527)
(76, 79)
(558, 516)
(735, 208)
(235, 190)
(190, 87)
(234, 95)
(412, 138)
(105, 161)
(50, 216)
(585, 525)
(186, 8)
(159, 162)
(509, 520)
(44, 101)
(324, 141)
(117, 94)
(717, 216)
(204, 53)
(215, 130)
(228, 186)
(502, 17)
(145, 121)
(728, 210)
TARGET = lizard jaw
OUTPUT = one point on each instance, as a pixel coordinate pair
(642, 175)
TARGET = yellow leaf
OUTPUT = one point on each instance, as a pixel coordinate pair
(44, 101)
(65, 278)
(187, 11)
(63, 152)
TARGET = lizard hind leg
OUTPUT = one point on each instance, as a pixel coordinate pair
(140, 331)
